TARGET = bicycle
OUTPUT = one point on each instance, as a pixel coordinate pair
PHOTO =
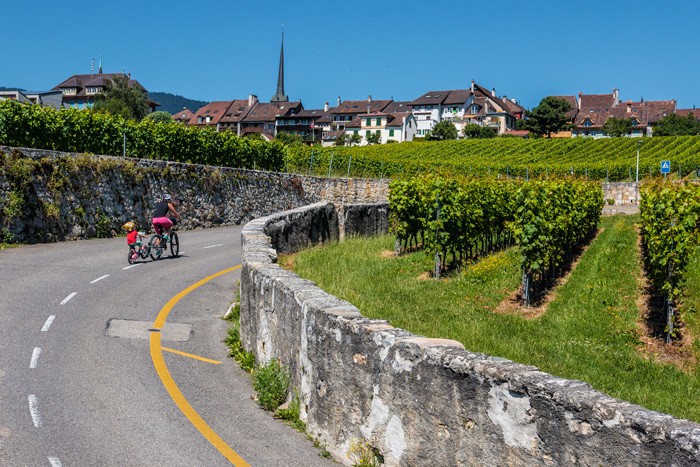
(158, 243)
(142, 253)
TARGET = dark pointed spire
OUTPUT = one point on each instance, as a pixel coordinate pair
(99, 71)
(279, 95)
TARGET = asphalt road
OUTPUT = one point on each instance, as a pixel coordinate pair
(78, 384)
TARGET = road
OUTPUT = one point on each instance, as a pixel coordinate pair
(79, 384)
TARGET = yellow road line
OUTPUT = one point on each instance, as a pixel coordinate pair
(196, 357)
(169, 383)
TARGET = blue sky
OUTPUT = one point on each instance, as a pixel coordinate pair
(224, 50)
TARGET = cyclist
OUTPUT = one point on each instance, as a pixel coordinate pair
(161, 221)
(133, 239)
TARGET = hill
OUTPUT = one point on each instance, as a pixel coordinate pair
(172, 103)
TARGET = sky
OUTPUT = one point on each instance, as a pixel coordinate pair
(225, 50)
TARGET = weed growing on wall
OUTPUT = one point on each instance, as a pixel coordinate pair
(363, 454)
(291, 414)
(270, 381)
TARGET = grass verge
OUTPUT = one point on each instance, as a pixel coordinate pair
(589, 332)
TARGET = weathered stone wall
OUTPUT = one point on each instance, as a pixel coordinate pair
(69, 196)
(621, 193)
(427, 401)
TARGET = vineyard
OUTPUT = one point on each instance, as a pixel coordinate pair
(74, 130)
(670, 230)
(548, 220)
(611, 159)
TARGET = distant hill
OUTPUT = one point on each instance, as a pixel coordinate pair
(172, 103)
(3, 88)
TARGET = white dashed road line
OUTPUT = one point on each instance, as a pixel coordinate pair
(48, 322)
(214, 246)
(35, 357)
(65, 300)
(34, 410)
(54, 462)
(99, 278)
(132, 266)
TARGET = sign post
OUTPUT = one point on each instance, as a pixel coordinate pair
(665, 167)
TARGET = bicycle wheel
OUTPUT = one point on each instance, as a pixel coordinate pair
(155, 250)
(145, 251)
(131, 260)
(174, 245)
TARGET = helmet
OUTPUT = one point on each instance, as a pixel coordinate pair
(129, 226)
(167, 197)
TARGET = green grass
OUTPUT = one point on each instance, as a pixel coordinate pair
(588, 332)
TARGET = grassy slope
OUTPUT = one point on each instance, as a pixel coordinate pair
(588, 332)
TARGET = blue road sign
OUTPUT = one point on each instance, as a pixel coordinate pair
(665, 167)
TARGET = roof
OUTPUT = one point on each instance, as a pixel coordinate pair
(332, 135)
(431, 98)
(686, 112)
(183, 115)
(571, 114)
(312, 113)
(656, 110)
(236, 111)
(356, 107)
(458, 96)
(267, 112)
(596, 101)
(94, 80)
(398, 106)
(513, 107)
(215, 110)
(520, 133)
(398, 119)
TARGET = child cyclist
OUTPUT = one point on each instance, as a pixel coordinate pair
(133, 239)
(161, 221)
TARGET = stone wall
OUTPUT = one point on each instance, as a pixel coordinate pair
(423, 401)
(69, 196)
(621, 193)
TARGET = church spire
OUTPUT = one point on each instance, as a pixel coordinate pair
(100, 69)
(279, 95)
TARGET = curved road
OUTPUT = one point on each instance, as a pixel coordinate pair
(78, 385)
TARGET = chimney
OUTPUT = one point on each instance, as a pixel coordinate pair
(514, 100)
(369, 99)
(338, 101)
(580, 97)
(252, 100)
(493, 92)
(504, 98)
(326, 107)
(629, 106)
(472, 88)
(616, 96)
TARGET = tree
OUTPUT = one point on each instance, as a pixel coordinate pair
(120, 98)
(353, 139)
(443, 130)
(477, 131)
(160, 116)
(374, 138)
(549, 116)
(289, 139)
(617, 127)
(675, 125)
(340, 140)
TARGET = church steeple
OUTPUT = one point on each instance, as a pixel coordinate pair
(279, 95)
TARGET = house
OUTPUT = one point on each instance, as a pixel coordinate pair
(79, 91)
(591, 111)
(262, 117)
(183, 116)
(237, 110)
(686, 112)
(304, 124)
(51, 98)
(347, 111)
(397, 127)
(210, 114)
(462, 107)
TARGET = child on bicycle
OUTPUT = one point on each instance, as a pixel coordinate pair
(133, 239)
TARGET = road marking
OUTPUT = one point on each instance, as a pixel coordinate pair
(214, 246)
(169, 382)
(35, 357)
(48, 322)
(65, 300)
(55, 462)
(132, 266)
(196, 357)
(34, 411)
(99, 278)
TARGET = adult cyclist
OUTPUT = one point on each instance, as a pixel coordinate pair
(161, 221)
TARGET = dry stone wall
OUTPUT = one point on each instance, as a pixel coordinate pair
(423, 401)
(69, 196)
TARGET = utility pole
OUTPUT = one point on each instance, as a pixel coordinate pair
(639, 142)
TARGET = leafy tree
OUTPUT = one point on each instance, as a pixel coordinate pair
(477, 131)
(289, 139)
(120, 98)
(160, 116)
(675, 125)
(443, 130)
(340, 140)
(549, 116)
(353, 139)
(374, 138)
(617, 127)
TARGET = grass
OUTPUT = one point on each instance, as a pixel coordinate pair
(589, 331)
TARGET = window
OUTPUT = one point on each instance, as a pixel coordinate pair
(378, 132)
(208, 119)
(587, 123)
(367, 133)
(635, 122)
(199, 119)
(391, 132)
(379, 122)
(368, 122)
(69, 91)
(354, 132)
(475, 109)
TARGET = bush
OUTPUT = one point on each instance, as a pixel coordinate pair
(270, 381)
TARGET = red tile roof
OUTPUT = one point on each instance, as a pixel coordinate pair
(357, 107)
(236, 111)
(267, 112)
(93, 80)
(686, 112)
(215, 110)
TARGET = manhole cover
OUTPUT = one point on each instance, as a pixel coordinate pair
(131, 329)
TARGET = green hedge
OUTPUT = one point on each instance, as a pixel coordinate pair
(74, 130)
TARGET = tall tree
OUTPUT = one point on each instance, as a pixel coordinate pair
(675, 125)
(373, 138)
(443, 130)
(120, 98)
(477, 131)
(549, 116)
(617, 127)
